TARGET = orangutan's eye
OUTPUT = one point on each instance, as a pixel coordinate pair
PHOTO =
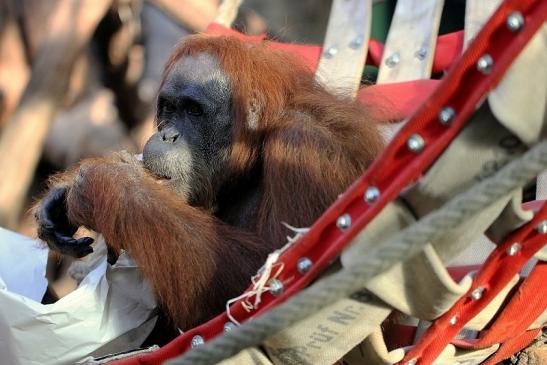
(193, 108)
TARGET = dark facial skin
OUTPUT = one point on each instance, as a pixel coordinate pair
(194, 121)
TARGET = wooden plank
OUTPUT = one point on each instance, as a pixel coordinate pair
(227, 12)
(411, 40)
(71, 26)
(477, 12)
(346, 44)
(194, 15)
(541, 186)
(14, 70)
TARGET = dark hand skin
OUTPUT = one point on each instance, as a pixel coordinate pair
(55, 229)
(55, 225)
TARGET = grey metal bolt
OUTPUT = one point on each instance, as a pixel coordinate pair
(331, 52)
(197, 340)
(446, 115)
(415, 143)
(343, 222)
(514, 249)
(303, 265)
(421, 53)
(228, 326)
(477, 293)
(515, 21)
(485, 63)
(276, 287)
(357, 42)
(393, 60)
(542, 227)
(372, 194)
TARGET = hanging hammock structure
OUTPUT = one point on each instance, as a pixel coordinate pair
(454, 171)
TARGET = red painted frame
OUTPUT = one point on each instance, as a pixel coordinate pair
(494, 275)
(463, 89)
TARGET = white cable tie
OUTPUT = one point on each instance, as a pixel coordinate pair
(264, 275)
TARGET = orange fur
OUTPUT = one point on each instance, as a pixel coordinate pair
(309, 144)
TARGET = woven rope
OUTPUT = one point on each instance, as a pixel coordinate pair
(405, 244)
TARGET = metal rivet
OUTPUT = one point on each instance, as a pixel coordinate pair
(446, 115)
(197, 340)
(411, 362)
(331, 52)
(276, 287)
(514, 21)
(372, 194)
(415, 143)
(514, 248)
(303, 265)
(357, 42)
(421, 53)
(485, 63)
(542, 227)
(228, 326)
(343, 222)
(453, 320)
(393, 60)
(477, 293)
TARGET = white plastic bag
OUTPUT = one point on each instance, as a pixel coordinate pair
(113, 309)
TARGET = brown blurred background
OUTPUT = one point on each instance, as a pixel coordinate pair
(78, 78)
